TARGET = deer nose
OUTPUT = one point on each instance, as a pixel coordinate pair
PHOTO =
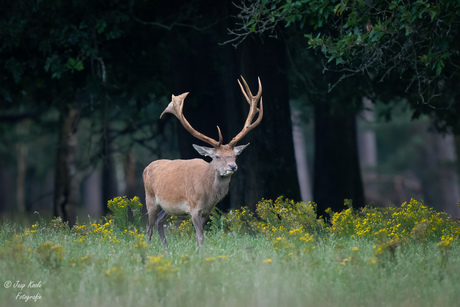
(233, 167)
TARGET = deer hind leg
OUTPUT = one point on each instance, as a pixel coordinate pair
(152, 210)
(204, 220)
(159, 224)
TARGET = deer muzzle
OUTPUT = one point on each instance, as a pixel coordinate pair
(230, 170)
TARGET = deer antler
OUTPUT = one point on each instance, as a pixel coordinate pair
(253, 101)
(175, 107)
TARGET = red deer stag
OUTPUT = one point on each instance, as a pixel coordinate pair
(194, 187)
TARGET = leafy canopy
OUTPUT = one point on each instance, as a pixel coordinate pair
(419, 39)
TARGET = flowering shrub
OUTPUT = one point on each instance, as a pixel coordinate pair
(180, 226)
(101, 231)
(445, 245)
(285, 215)
(82, 262)
(238, 221)
(411, 221)
(56, 224)
(292, 226)
(343, 223)
(17, 250)
(120, 206)
(28, 231)
(50, 255)
(140, 247)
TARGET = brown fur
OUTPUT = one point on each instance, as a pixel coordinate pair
(182, 187)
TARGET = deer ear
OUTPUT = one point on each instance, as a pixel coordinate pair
(204, 151)
(238, 149)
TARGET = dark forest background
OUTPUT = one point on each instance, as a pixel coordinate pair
(82, 85)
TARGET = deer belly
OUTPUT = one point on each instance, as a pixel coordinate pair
(174, 208)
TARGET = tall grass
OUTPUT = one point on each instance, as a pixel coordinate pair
(280, 256)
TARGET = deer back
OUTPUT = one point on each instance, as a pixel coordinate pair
(184, 184)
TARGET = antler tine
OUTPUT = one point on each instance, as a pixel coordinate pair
(176, 107)
(253, 101)
(221, 139)
(243, 90)
(247, 91)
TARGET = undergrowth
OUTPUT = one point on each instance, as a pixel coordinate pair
(281, 254)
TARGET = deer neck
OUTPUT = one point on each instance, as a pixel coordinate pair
(219, 185)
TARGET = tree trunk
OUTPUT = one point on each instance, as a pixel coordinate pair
(367, 148)
(109, 172)
(92, 197)
(367, 144)
(22, 149)
(337, 173)
(439, 175)
(268, 167)
(449, 181)
(129, 166)
(21, 179)
(7, 195)
(66, 195)
(300, 147)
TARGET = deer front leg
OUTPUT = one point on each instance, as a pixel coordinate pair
(161, 217)
(198, 223)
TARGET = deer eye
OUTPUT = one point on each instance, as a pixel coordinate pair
(217, 157)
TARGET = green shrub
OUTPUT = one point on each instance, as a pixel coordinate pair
(411, 221)
(120, 207)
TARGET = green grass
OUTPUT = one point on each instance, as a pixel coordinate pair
(233, 269)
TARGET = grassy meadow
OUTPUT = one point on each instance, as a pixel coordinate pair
(280, 255)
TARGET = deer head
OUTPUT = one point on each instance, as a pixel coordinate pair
(223, 156)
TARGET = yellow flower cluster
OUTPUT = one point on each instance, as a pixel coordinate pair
(160, 267)
(286, 223)
(81, 262)
(81, 229)
(287, 213)
(116, 274)
(211, 259)
(29, 231)
(272, 219)
(120, 206)
(104, 231)
(140, 247)
(290, 223)
(122, 202)
(445, 245)
(411, 221)
(239, 221)
(446, 242)
(50, 255)
(343, 223)
(58, 224)
(282, 244)
(17, 250)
